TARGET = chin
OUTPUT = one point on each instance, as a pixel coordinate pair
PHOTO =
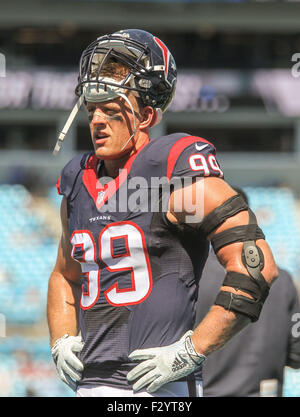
(106, 154)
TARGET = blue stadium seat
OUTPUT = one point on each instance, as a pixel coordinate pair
(276, 212)
(27, 255)
(54, 197)
(27, 369)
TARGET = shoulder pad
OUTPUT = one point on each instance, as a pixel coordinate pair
(69, 174)
(192, 156)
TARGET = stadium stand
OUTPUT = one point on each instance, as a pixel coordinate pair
(24, 239)
(291, 387)
(26, 369)
(278, 214)
(28, 251)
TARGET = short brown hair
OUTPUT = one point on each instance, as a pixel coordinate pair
(112, 69)
(116, 70)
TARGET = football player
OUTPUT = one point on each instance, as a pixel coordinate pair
(127, 279)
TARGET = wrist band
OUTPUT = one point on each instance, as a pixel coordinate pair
(195, 356)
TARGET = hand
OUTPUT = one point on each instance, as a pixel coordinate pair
(164, 364)
(68, 366)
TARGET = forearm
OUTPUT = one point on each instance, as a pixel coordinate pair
(221, 324)
(217, 327)
(226, 319)
(62, 307)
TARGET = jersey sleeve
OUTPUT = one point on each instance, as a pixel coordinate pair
(193, 156)
(66, 182)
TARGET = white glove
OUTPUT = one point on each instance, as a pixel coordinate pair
(164, 364)
(68, 366)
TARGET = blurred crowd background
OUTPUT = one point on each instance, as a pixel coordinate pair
(238, 87)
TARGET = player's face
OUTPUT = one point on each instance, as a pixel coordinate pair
(111, 125)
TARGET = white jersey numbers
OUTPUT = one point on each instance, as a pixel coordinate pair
(135, 260)
(201, 164)
(132, 259)
(83, 242)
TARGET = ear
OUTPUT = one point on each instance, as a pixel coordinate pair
(148, 117)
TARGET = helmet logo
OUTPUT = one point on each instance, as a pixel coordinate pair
(166, 54)
(124, 34)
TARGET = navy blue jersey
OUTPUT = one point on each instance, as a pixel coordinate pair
(140, 273)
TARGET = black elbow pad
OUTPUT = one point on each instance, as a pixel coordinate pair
(251, 307)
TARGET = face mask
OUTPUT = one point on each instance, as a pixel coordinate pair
(96, 93)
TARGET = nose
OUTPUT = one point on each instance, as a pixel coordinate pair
(99, 118)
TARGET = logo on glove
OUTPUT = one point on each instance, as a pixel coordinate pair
(178, 363)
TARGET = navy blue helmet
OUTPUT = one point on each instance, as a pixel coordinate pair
(152, 69)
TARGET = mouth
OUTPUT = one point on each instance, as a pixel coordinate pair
(100, 138)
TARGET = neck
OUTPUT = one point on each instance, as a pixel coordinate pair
(112, 166)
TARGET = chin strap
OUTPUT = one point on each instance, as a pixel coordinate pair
(67, 125)
(134, 125)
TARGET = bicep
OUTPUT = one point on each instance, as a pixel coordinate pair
(190, 204)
